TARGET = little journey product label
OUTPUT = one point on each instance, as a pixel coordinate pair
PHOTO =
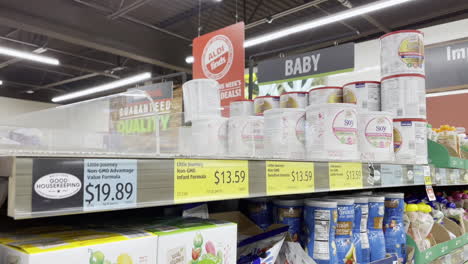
(109, 183)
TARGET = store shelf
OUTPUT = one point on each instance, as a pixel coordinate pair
(155, 182)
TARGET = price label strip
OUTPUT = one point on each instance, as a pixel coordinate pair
(109, 184)
(205, 180)
(289, 177)
(345, 175)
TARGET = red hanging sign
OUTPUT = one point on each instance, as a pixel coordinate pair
(219, 55)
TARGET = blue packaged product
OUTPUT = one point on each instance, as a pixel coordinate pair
(394, 231)
(361, 239)
(344, 230)
(320, 219)
(374, 228)
(290, 212)
(260, 212)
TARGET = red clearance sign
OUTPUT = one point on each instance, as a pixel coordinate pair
(219, 55)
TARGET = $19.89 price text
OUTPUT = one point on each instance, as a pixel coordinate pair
(107, 192)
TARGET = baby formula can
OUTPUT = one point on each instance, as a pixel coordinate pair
(320, 225)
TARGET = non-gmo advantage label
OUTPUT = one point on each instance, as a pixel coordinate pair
(204, 180)
(109, 184)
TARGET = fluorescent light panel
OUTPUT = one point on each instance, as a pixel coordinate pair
(464, 91)
(1, 82)
(323, 21)
(28, 56)
(105, 87)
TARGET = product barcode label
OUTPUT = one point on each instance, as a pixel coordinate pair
(412, 145)
(399, 112)
(364, 104)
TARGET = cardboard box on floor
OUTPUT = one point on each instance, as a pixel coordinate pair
(443, 247)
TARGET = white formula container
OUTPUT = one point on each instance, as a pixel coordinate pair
(201, 99)
(294, 100)
(376, 136)
(402, 52)
(365, 94)
(209, 137)
(263, 103)
(331, 132)
(242, 108)
(410, 140)
(326, 95)
(284, 133)
(245, 136)
(404, 95)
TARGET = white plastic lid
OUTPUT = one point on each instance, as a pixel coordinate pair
(376, 199)
(360, 199)
(289, 202)
(394, 195)
(376, 113)
(320, 203)
(331, 105)
(341, 200)
(276, 111)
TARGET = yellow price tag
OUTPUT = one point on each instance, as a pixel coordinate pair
(345, 175)
(427, 175)
(283, 177)
(427, 180)
(204, 180)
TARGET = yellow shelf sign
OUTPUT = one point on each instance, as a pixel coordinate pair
(205, 180)
(283, 177)
(345, 175)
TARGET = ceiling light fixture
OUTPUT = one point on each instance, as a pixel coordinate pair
(30, 91)
(28, 56)
(105, 87)
(189, 59)
(323, 21)
(1, 82)
(464, 91)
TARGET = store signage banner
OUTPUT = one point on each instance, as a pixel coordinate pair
(219, 55)
(447, 65)
(131, 115)
(307, 65)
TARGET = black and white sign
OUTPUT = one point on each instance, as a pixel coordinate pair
(57, 184)
(320, 62)
(109, 184)
(447, 65)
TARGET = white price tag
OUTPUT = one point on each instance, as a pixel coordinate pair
(109, 184)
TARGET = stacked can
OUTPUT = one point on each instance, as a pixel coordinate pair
(320, 223)
(344, 230)
(260, 211)
(374, 226)
(290, 212)
(360, 237)
(395, 235)
(403, 90)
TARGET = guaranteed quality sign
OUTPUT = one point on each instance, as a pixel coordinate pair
(307, 65)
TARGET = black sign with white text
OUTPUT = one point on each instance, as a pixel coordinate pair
(447, 65)
(320, 62)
